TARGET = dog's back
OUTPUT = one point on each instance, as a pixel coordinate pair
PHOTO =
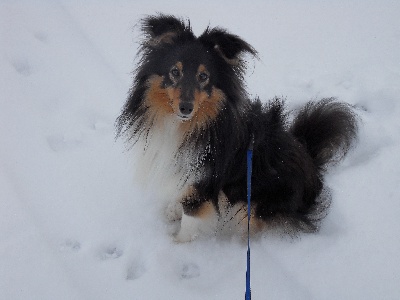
(290, 159)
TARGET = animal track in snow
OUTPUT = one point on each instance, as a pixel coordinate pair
(22, 66)
(110, 253)
(58, 142)
(135, 270)
(189, 271)
(40, 36)
(70, 246)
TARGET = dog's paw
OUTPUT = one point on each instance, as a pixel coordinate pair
(192, 227)
(184, 237)
(189, 230)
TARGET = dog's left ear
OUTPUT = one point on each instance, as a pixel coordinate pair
(164, 29)
(229, 46)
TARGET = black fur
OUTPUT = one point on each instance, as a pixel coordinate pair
(289, 160)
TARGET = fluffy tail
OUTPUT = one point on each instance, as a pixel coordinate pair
(327, 129)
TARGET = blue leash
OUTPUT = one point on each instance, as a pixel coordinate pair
(249, 171)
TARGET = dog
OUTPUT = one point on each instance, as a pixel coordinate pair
(190, 112)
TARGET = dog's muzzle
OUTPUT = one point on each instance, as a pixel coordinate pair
(185, 109)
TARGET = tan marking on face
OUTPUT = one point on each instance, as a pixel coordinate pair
(202, 68)
(179, 65)
(201, 71)
(176, 72)
(174, 95)
(208, 107)
(158, 99)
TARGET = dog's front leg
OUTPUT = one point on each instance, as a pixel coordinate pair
(199, 217)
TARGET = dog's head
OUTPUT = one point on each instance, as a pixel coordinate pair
(191, 78)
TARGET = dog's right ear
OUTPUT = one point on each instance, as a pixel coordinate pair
(229, 46)
(163, 29)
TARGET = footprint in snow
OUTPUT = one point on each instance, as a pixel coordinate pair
(135, 270)
(98, 123)
(189, 271)
(110, 253)
(58, 142)
(70, 246)
(22, 66)
(40, 36)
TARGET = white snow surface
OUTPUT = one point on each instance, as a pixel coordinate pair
(75, 225)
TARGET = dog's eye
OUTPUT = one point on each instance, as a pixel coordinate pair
(175, 73)
(203, 77)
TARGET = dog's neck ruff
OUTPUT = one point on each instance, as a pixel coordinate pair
(166, 159)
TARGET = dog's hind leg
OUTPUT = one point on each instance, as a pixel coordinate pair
(202, 221)
(233, 218)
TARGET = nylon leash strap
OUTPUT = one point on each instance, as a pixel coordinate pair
(249, 171)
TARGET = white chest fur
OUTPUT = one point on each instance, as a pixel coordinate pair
(164, 164)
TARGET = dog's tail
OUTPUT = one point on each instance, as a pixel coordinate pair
(327, 129)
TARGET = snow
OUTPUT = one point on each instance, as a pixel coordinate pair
(75, 225)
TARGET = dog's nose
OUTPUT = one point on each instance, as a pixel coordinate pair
(186, 108)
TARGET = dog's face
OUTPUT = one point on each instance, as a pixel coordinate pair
(189, 78)
(186, 85)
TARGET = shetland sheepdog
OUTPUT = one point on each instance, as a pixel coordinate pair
(191, 118)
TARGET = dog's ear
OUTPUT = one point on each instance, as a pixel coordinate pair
(229, 46)
(164, 29)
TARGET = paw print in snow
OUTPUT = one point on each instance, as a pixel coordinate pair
(22, 66)
(58, 142)
(40, 36)
(111, 253)
(70, 246)
(189, 271)
(135, 270)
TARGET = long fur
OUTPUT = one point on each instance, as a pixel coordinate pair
(189, 112)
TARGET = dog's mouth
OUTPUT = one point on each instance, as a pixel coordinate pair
(184, 118)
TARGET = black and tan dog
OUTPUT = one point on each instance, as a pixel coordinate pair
(189, 111)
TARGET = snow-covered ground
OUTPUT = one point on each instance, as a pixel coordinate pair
(73, 224)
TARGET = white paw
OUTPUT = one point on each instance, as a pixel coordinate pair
(193, 227)
(184, 238)
(190, 229)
